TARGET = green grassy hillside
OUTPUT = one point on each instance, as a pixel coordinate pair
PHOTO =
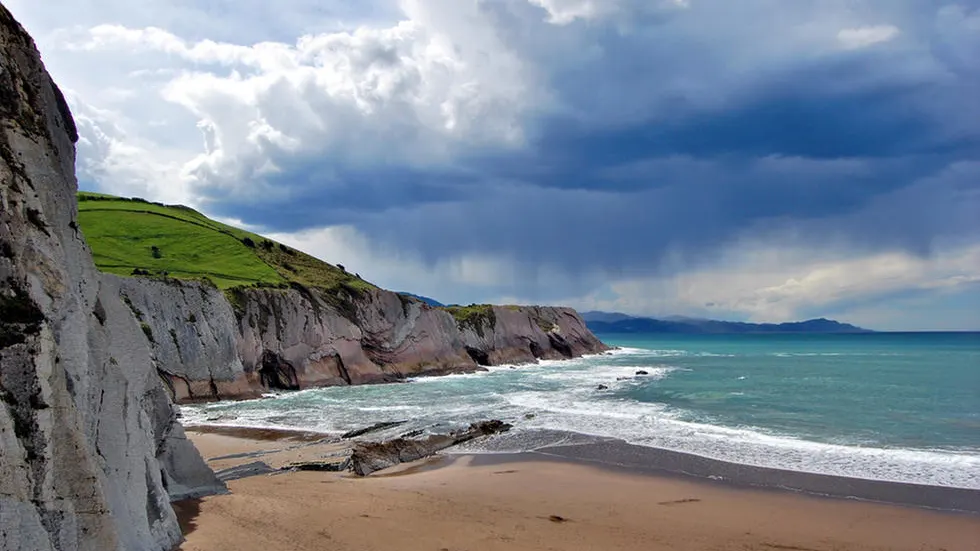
(135, 237)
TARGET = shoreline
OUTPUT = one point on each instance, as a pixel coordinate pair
(529, 502)
(653, 471)
(513, 395)
(620, 456)
(618, 453)
(259, 433)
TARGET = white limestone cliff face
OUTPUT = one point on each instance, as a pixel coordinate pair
(192, 332)
(87, 430)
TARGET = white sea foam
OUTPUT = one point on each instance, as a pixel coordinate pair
(656, 426)
(440, 379)
(608, 374)
(554, 396)
(622, 351)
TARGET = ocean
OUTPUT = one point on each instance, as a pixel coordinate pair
(901, 407)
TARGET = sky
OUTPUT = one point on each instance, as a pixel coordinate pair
(759, 160)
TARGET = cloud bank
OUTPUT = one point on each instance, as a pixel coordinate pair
(758, 160)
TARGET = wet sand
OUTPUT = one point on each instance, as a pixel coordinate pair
(519, 502)
(616, 453)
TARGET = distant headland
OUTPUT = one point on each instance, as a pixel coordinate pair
(614, 322)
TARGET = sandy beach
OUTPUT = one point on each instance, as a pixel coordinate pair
(459, 503)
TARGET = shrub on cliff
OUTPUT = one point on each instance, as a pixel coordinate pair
(475, 316)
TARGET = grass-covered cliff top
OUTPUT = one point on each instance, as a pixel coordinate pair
(133, 237)
(474, 314)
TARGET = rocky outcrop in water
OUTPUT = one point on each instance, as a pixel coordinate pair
(210, 348)
(90, 449)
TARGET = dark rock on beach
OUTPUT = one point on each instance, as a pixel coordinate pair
(375, 427)
(254, 468)
(368, 457)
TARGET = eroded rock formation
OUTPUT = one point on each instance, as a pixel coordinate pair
(89, 443)
(368, 457)
(362, 457)
(208, 349)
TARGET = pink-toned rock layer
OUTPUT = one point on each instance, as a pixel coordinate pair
(206, 349)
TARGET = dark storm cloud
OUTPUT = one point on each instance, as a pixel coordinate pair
(791, 118)
(630, 234)
(869, 147)
(313, 194)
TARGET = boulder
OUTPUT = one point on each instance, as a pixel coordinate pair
(368, 457)
(375, 427)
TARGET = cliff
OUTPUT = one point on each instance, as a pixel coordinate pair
(90, 450)
(232, 314)
(209, 348)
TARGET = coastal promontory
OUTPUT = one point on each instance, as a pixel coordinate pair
(231, 314)
(91, 363)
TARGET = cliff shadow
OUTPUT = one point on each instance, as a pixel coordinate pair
(277, 373)
(481, 357)
(187, 511)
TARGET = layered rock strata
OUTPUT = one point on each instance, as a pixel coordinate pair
(210, 348)
(90, 448)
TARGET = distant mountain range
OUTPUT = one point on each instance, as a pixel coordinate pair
(615, 322)
(427, 300)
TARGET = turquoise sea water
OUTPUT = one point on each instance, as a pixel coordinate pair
(889, 406)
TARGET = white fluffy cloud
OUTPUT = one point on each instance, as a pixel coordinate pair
(862, 37)
(415, 92)
(441, 79)
(123, 161)
(564, 12)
